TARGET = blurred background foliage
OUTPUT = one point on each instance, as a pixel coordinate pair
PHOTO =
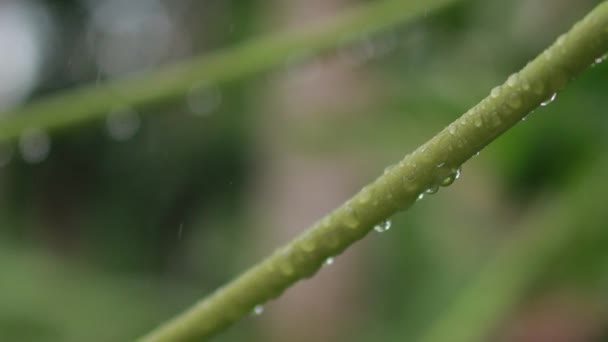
(110, 227)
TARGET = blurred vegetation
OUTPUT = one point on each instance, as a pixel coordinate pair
(105, 239)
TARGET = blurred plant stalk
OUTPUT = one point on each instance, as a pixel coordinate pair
(93, 102)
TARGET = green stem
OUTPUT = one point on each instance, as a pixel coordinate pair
(95, 101)
(434, 163)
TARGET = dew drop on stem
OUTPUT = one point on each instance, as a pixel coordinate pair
(549, 100)
(432, 190)
(257, 310)
(383, 226)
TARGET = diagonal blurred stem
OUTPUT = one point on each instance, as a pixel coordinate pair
(520, 263)
(262, 54)
(434, 163)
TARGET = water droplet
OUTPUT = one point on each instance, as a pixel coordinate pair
(599, 60)
(512, 80)
(308, 245)
(286, 269)
(514, 101)
(538, 87)
(329, 261)
(204, 98)
(495, 92)
(34, 145)
(448, 180)
(420, 196)
(258, 310)
(432, 190)
(383, 226)
(495, 120)
(365, 196)
(549, 100)
(122, 123)
(350, 219)
(6, 154)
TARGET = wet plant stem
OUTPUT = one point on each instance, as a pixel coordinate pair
(433, 164)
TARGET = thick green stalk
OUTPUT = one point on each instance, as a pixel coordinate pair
(521, 262)
(434, 163)
(95, 101)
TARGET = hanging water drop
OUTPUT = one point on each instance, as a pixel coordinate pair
(514, 101)
(420, 196)
(449, 180)
(34, 145)
(478, 122)
(599, 60)
(495, 119)
(432, 190)
(258, 310)
(458, 171)
(549, 100)
(328, 261)
(350, 219)
(286, 269)
(512, 80)
(383, 226)
(365, 195)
